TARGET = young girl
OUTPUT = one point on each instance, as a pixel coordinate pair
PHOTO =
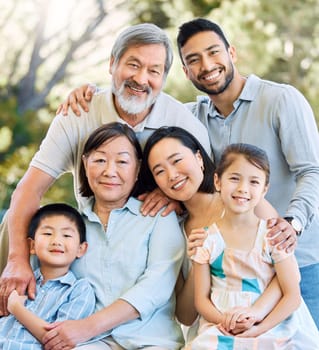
(236, 263)
(177, 163)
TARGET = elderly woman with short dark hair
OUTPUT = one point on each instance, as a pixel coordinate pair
(132, 261)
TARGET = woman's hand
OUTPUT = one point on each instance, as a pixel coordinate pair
(195, 239)
(154, 201)
(65, 335)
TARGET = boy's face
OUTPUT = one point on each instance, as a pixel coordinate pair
(57, 242)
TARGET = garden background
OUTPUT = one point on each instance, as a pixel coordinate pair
(48, 47)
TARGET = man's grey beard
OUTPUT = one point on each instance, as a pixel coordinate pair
(132, 105)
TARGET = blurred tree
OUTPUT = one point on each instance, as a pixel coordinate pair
(296, 62)
(200, 8)
(47, 39)
(45, 43)
(151, 11)
(49, 46)
(276, 40)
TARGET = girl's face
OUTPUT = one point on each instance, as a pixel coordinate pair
(242, 185)
(176, 169)
(112, 170)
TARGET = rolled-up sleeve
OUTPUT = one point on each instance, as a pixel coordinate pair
(300, 144)
(165, 255)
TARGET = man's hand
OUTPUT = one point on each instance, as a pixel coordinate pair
(80, 96)
(282, 232)
(18, 276)
(153, 202)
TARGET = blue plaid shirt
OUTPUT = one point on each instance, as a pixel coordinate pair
(60, 299)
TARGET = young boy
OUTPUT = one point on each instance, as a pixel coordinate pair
(57, 237)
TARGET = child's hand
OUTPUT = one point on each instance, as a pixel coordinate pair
(243, 325)
(254, 331)
(15, 299)
(237, 320)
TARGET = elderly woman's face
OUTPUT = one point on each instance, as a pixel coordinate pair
(112, 170)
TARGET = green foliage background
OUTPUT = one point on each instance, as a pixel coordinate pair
(52, 46)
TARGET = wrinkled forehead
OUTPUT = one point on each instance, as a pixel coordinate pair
(150, 56)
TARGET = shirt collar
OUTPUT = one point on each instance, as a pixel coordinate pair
(159, 111)
(250, 90)
(133, 205)
(68, 278)
(151, 121)
(248, 94)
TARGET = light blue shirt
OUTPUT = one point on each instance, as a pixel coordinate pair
(277, 118)
(64, 298)
(138, 260)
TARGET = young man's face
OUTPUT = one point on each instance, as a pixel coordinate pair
(57, 242)
(138, 78)
(207, 62)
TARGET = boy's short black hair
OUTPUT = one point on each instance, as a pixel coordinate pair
(58, 209)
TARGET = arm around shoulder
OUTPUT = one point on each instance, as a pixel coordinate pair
(24, 203)
(166, 247)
